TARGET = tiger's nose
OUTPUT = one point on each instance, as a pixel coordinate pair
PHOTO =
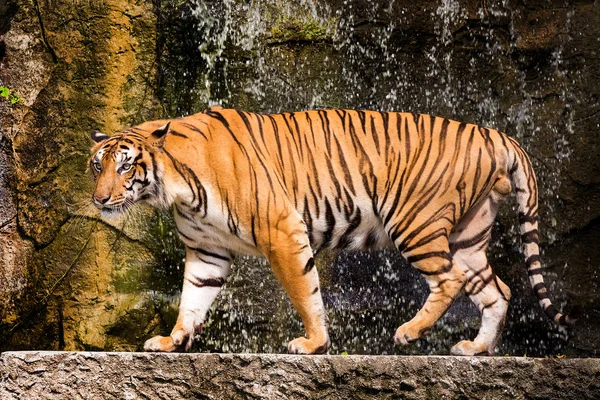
(99, 199)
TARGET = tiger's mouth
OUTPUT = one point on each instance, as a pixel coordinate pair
(115, 210)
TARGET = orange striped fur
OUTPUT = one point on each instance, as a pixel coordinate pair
(286, 186)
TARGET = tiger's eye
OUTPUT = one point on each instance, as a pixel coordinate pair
(126, 167)
(98, 166)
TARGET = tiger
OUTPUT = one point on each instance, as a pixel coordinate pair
(287, 186)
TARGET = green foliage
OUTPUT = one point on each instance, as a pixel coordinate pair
(297, 29)
(12, 97)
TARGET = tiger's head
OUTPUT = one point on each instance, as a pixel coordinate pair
(125, 169)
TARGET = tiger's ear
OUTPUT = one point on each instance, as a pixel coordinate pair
(162, 131)
(160, 134)
(98, 136)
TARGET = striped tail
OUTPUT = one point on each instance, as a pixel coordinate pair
(523, 177)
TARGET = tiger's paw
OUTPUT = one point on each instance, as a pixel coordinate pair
(469, 348)
(303, 345)
(177, 342)
(408, 333)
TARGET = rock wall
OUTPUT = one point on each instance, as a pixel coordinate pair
(77, 69)
(70, 281)
(58, 375)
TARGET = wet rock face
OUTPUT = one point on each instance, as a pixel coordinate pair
(530, 69)
(77, 69)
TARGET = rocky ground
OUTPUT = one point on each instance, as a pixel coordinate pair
(56, 375)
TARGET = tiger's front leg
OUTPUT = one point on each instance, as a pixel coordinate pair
(205, 273)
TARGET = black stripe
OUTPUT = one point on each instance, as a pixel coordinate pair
(551, 311)
(205, 261)
(534, 271)
(334, 180)
(292, 134)
(442, 270)
(157, 180)
(210, 254)
(198, 191)
(406, 170)
(440, 254)
(365, 177)
(253, 223)
(489, 305)
(371, 239)
(310, 264)
(532, 259)
(374, 134)
(441, 232)
(300, 135)
(483, 282)
(562, 320)
(231, 221)
(325, 126)
(363, 119)
(530, 237)
(414, 211)
(144, 167)
(259, 121)
(463, 244)
(314, 173)
(348, 205)
(479, 286)
(312, 129)
(391, 183)
(175, 133)
(209, 282)
(463, 177)
(277, 140)
(184, 235)
(184, 215)
(346, 240)
(528, 218)
(254, 141)
(193, 128)
(308, 220)
(330, 220)
(293, 170)
(344, 166)
(537, 288)
(225, 123)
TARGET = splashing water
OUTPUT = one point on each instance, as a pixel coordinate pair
(268, 57)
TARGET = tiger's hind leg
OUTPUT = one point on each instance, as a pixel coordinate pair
(491, 296)
(291, 257)
(430, 255)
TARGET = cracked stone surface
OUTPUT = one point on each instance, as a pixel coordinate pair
(57, 375)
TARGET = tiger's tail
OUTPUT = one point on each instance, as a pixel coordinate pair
(523, 177)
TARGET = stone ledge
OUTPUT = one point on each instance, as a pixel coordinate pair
(62, 375)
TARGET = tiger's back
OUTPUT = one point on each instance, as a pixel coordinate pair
(287, 185)
(359, 178)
